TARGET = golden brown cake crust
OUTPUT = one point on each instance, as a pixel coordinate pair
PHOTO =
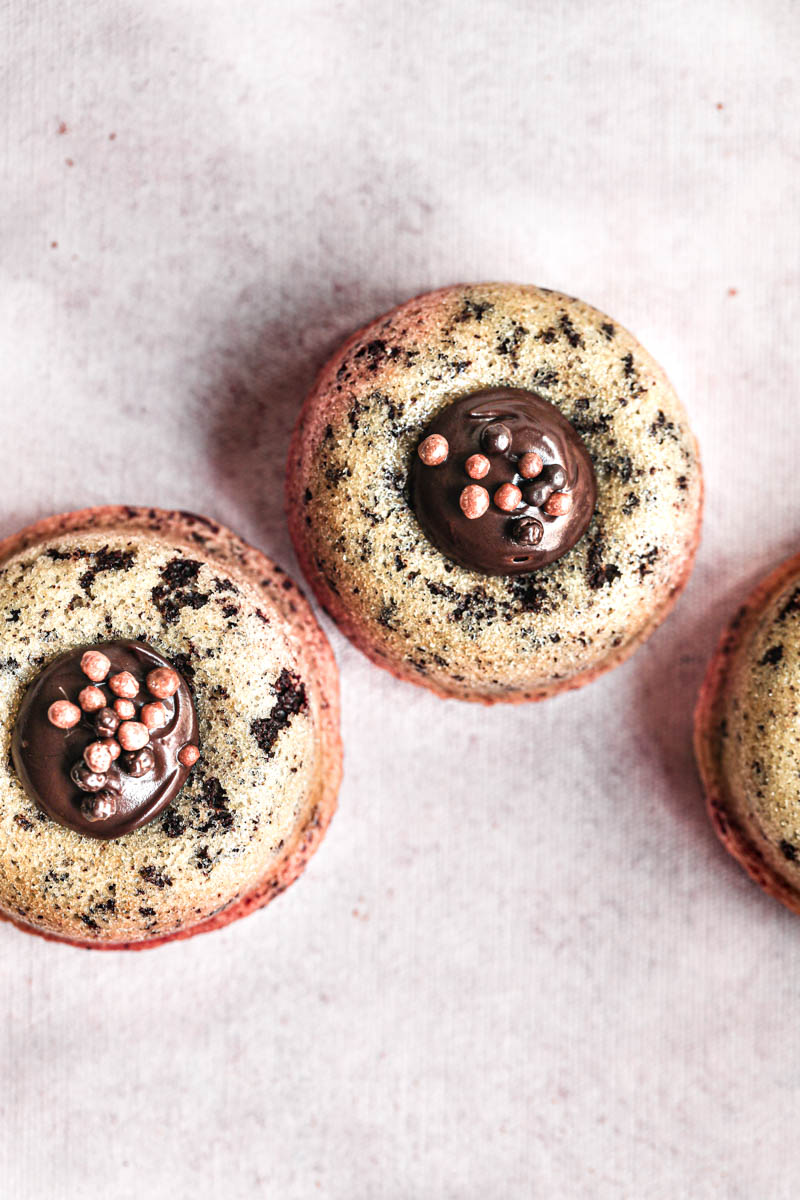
(260, 800)
(429, 621)
(744, 734)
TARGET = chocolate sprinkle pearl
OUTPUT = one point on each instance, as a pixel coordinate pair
(556, 475)
(536, 494)
(530, 465)
(91, 698)
(124, 685)
(139, 763)
(559, 504)
(113, 747)
(188, 756)
(106, 722)
(433, 450)
(507, 497)
(132, 735)
(163, 682)
(477, 466)
(125, 709)
(63, 714)
(527, 531)
(113, 781)
(86, 779)
(474, 501)
(95, 665)
(153, 716)
(99, 807)
(496, 438)
(97, 757)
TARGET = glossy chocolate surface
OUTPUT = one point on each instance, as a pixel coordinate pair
(49, 759)
(513, 535)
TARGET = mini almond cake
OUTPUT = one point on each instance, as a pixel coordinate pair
(495, 492)
(169, 710)
(747, 735)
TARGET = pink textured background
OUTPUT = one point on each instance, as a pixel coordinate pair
(520, 965)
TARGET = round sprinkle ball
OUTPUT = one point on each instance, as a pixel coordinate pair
(477, 466)
(558, 505)
(63, 714)
(474, 501)
(95, 665)
(433, 450)
(530, 465)
(163, 682)
(507, 497)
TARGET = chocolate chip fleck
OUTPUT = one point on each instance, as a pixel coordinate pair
(158, 878)
(106, 560)
(290, 700)
(772, 656)
(172, 823)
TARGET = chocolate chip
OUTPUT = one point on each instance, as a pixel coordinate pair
(220, 817)
(106, 560)
(570, 332)
(291, 699)
(159, 879)
(474, 310)
(603, 574)
(181, 571)
(173, 594)
(172, 824)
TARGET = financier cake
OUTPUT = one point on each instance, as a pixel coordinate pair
(747, 735)
(169, 716)
(495, 492)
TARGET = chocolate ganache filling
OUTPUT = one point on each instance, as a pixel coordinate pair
(105, 738)
(502, 483)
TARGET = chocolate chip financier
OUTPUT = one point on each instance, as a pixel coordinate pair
(495, 492)
(169, 715)
(747, 735)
